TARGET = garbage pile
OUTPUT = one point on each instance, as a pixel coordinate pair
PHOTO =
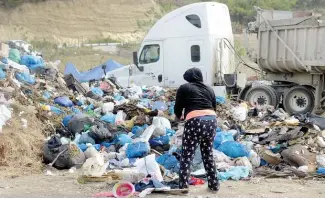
(129, 136)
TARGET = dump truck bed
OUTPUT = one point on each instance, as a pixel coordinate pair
(292, 45)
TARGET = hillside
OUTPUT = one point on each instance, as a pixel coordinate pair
(76, 21)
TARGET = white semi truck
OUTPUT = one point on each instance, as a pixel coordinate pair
(290, 53)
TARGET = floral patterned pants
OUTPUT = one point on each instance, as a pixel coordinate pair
(199, 131)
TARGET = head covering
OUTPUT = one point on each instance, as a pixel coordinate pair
(193, 75)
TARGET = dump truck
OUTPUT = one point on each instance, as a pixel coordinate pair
(290, 55)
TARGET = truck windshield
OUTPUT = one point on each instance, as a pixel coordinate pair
(150, 54)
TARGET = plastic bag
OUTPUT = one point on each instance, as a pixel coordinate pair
(91, 151)
(220, 100)
(234, 173)
(320, 160)
(161, 125)
(222, 137)
(108, 107)
(32, 62)
(149, 165)
(159, 105)
(138, 130)
(218, 156)
(97, 91)
(25, 78)
(56, 110)
(63, 101)
(85, 139)
(159, 141)
(120, 118)
(123, 139)
(94, 166)
(243, 161)
(137, 150)
(254, 158)
(5, 115)
(196, 181)
(169, 162)
(14, 55)
(3, 74)
(233, 149)
(109, 118)
(240, 112)
(72, 156)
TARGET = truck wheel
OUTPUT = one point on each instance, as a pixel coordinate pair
(299, 99)
(262, 95)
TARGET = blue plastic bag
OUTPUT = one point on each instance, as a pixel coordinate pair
(109, 118)
(233, 149)
(170, 132)
(123, 139)
(138, 130)
(63, 101)
(169, 162)
(66, 120)
(171, 108)
(234, 173)
(85, 138)
(46, 95)
(4, 60)
(220, 100)
(222, 137)
(97, 91)
(56, 110)
(82, 147)
(159, 105)
(32, 62)
(3, 74)
(137, 150)
(75, 110)
(159, 141)
(25, 78)
(321, 170)
(90, 107)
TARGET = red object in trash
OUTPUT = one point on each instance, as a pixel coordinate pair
(104, 195)
(196, 181)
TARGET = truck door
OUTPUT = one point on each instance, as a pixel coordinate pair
(184, 57)
(151, 59)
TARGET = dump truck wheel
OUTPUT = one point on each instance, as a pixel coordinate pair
(299, 99)
(262, 95)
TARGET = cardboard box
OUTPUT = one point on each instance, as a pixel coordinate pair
(4, 50)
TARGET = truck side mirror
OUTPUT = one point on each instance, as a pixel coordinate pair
(135, 58)
(135, 61)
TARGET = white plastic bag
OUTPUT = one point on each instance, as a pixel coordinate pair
(255, 159)
(146, 135)
(239, 112)
(94, 166)
(161, 125)
(220, 157)
(108, 107)
(5, 115)
(148, 165)
(320, 160)
(243, 161)
(91, 151)
(120, 118)
(320, 142)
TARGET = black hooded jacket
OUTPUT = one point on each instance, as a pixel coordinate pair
(194, 95)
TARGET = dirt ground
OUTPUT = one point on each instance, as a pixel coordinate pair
(66, 185)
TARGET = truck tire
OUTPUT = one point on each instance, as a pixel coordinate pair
(299, 99)
(262, 95)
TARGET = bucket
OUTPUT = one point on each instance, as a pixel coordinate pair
(123, 190)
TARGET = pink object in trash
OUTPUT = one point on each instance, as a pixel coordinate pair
(104, 195)
(123, 190)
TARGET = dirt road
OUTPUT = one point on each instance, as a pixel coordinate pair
(66, 185)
